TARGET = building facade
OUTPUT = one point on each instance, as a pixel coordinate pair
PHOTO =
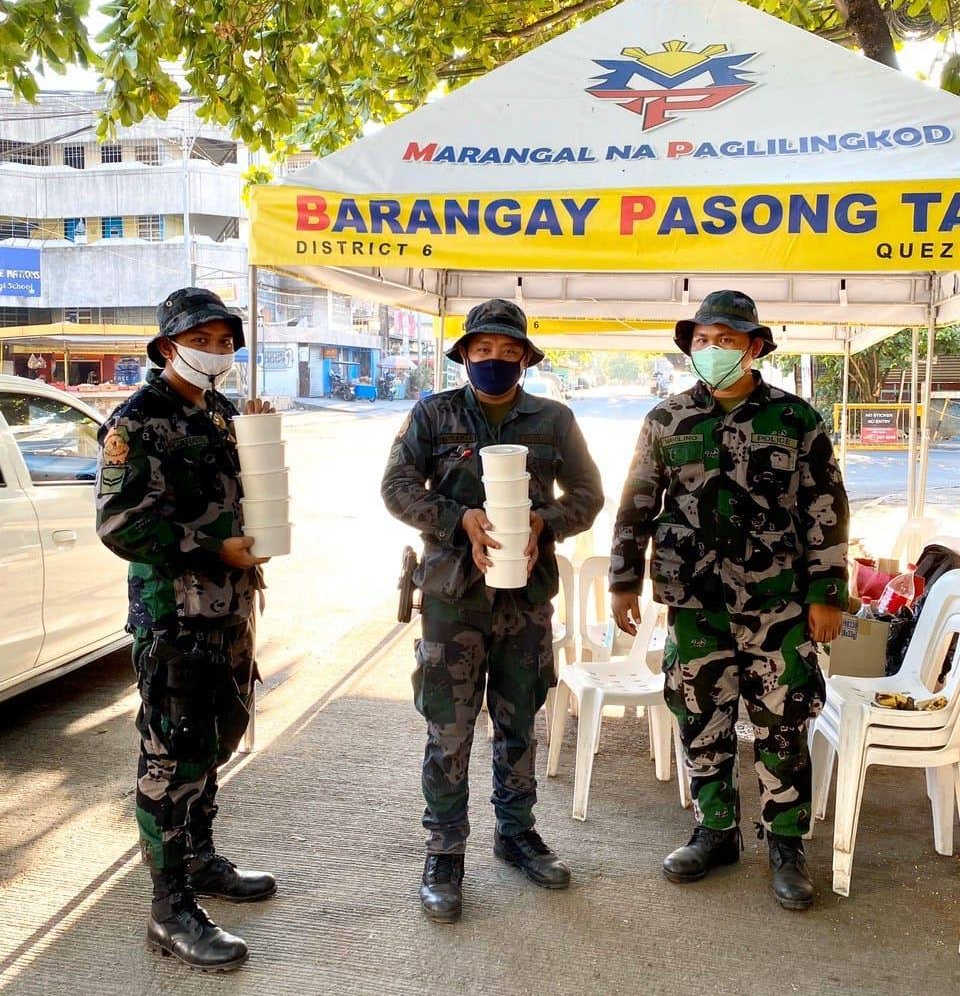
(109, 229)
(94, 234)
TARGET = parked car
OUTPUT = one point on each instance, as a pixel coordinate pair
(544, 387)
(64, 594)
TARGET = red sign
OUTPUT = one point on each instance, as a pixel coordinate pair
(879, 427)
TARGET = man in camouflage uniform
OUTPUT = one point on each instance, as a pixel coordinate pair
(168, 501)
(474, 635)
(736, 484)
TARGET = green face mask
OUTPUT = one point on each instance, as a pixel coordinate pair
(717, 367)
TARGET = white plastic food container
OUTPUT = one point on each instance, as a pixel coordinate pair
(512, 492)
(504, 462)
(269, 512)
(512, 543)
(270, 541)
(507, 573)
(258, 458)
(258, 428)
(508, 518)
(272, 484)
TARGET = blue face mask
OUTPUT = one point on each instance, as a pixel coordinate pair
(494, 377)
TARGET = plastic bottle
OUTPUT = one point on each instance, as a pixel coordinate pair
(900, 592)
(866, 609)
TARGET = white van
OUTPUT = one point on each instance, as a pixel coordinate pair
(63, 595)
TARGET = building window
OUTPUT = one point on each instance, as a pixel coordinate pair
(17, 228)
(78, 316)
(75, 229)
(147, 152)
(150, 227)
(111, 153)
(74, 156)
(111, 228)
(299, 160)
(231, 230)
(25, 153)
(14, 316)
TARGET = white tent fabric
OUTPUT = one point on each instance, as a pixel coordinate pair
(625, 169)
(678, 95)
(796, 87)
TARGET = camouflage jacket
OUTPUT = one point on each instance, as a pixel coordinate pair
(168, 495)
(739, 505)
(433, 477)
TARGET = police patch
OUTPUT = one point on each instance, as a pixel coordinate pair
(116, 447)
(111, 480)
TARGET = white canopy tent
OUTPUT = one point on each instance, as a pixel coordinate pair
(625, 169)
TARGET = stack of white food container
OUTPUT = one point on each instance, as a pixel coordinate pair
(266, 486)
(507, 486)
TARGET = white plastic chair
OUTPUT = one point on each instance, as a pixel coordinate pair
(605, 680)
(942, 539)
(858, 733)
(564, 636)
(912, 538)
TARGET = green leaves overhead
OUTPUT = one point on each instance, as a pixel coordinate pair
(316, 72)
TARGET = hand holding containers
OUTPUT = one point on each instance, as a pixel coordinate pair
(265, 479)
(507, 486)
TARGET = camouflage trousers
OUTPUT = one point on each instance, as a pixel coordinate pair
(508, 649)
(713, 659)
(193, 714)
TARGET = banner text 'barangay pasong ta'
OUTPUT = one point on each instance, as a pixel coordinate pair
(869, 227)
(833, 225)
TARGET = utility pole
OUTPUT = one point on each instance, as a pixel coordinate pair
(191, 268)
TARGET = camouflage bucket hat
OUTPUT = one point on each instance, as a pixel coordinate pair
(725, 307)
(496, 317)
(187, 308)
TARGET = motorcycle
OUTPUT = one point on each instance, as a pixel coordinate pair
(341, 388)
(385, 386)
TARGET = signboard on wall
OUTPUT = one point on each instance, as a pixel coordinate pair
(19, 272)
(878, 427)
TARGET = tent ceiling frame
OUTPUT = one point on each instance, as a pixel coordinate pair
(892, 300)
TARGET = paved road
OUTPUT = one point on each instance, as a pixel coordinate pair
(612, 421)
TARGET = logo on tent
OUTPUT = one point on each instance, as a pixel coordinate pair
(670, 71)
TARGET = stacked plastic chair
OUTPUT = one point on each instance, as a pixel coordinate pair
(597, 679)
(856, 732)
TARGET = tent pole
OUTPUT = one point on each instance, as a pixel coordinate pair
(438, 368)
(845, 404)
(912, 437)
(927, 390)
(252, 335)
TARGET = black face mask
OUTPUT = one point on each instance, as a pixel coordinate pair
(494, 377)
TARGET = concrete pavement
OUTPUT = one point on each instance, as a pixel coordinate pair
(332, 806)
(72, 895)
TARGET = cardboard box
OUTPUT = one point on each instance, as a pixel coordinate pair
(861, 648)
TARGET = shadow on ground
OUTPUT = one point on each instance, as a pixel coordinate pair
(333, 809)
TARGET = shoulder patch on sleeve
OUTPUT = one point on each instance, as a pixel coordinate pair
(116, 447)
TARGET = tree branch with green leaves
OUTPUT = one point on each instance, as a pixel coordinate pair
(315, 73)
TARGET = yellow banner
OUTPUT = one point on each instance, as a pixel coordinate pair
(889, 226)
(453, 326)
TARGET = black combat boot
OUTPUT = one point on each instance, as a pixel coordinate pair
(528, 852)
(791, 881)
(441, 888)
(179, 927)
(209, 874)
(706, 849)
